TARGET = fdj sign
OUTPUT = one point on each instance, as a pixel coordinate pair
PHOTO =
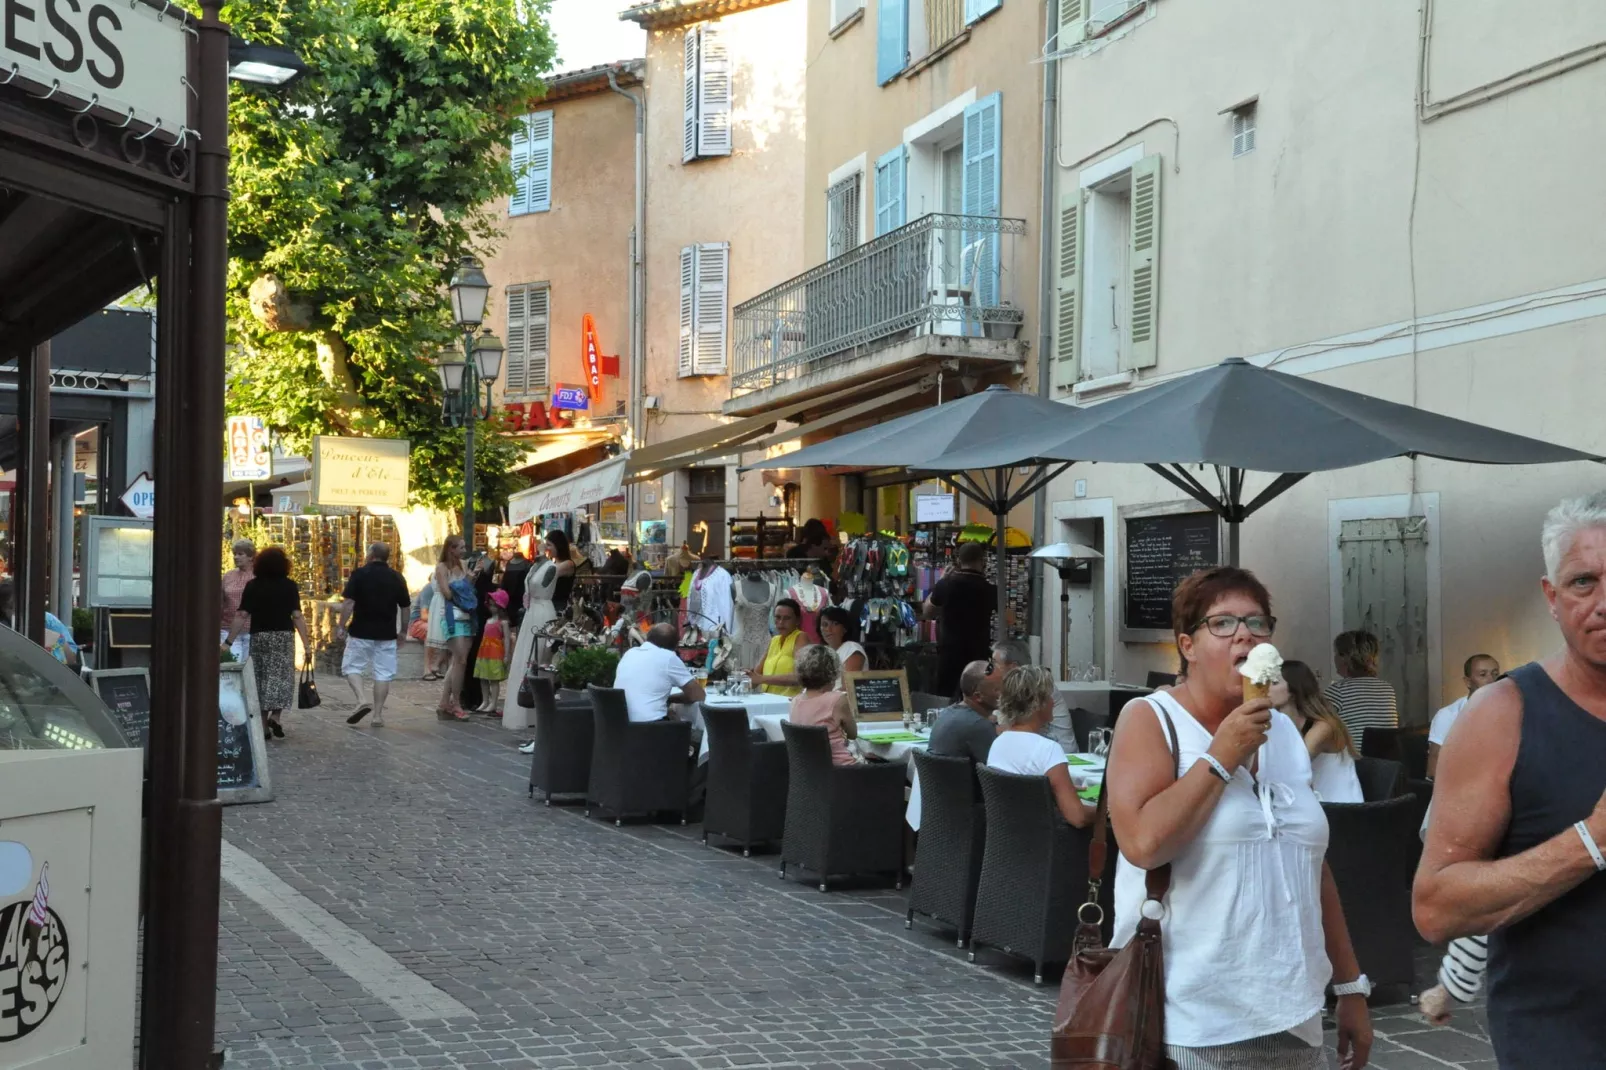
(33, 967)
(126, 57)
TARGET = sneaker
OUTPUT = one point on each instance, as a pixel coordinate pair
(527, 748)
(377, 722)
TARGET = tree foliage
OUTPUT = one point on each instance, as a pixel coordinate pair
(354, 194)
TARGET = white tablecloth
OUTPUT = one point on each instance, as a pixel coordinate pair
(760, 708)
(1081, 776)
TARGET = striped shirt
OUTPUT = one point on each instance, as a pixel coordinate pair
(1461, 972)
(1364, 702)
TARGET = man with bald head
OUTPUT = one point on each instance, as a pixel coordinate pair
(650, 675)
(967, 730)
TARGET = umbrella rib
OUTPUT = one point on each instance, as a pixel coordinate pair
(968, 484)
(1037, 482)
(1189, 486)
(1276, 487)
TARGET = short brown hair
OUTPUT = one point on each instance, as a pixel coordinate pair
(1356, 652)
(970, 553)
(1195, 595)
(817, 667)
(1025, 689)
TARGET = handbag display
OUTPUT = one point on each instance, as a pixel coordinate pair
(1111, 1013)
(307, 697)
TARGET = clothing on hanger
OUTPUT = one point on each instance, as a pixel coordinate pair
(709, 599)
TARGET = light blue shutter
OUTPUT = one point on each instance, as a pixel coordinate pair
(892, 39)
(891, 172)
(979, 257)
(540, 170)
(519, 161)
(975, 9)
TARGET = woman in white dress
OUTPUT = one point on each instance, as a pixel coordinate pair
(1327, 740)
(539, 611)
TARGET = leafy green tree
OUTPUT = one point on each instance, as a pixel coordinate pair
(354, 194)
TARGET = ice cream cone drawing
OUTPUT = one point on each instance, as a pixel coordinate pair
(39, 913)
(1261, 670)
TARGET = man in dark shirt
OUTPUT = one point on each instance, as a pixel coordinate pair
(375, 605)
(967, 730)
(963, 602)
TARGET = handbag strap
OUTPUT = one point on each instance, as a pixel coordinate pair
(1156, 881)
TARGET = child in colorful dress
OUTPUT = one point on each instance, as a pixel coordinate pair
(490, 668)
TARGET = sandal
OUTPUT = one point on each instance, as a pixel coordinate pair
(431, 676)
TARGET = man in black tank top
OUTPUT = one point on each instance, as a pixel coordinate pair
(1519, 821)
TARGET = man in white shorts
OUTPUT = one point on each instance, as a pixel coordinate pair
(376, 604)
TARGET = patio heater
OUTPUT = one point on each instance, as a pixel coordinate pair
(1062, 557)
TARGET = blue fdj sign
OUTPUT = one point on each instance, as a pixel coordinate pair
(571, 397)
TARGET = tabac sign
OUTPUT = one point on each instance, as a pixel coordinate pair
(358, 471)
(128, 57)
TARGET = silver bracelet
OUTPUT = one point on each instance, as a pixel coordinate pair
(1217, 768)
(1591, 846)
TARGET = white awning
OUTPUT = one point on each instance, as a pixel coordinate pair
(604, 480)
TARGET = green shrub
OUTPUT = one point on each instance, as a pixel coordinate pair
(587, 665)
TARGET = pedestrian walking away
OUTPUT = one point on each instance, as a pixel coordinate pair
(373, 612)
(1519, 816)
(270, 607)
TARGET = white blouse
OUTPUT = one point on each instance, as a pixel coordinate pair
(846, 651)
(1245, 954)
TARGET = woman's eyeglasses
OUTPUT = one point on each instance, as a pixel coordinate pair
(1225, 625)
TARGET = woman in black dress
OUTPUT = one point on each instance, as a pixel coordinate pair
(270, 608)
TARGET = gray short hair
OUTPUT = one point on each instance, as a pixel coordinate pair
(245, 546)
(1025, 689)
(817, 667)
(1013, 651)
(379, 551)
(1563, 523)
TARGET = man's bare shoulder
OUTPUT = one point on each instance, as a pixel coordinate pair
(1486, 735)
(1496, 708)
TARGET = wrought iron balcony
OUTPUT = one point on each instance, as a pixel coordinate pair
(942, 274)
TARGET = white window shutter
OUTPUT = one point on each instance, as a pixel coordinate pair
(1073, 23)
(688, 296)
(539, 347)
(714, 94)
(539, 126)
(713, 287)
(1144, 259)
(689, 117)
(983, 129)
(1068, 283)
(519, 161)
(516, 365)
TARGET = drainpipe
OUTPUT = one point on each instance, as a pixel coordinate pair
(638, 296)
(1045, 283)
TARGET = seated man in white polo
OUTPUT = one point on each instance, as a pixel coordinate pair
(374, 610)
(650, 675)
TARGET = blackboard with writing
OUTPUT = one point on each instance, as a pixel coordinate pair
(242, 757)
(236, 764)
(1162, 551)
(878, 695)
(127, 694)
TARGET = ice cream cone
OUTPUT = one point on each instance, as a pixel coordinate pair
(1253, 690)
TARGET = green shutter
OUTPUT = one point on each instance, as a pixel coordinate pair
(1068, 308)
(1144, 260)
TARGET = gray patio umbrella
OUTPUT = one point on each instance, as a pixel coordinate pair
(1236, 418)
(996, 432)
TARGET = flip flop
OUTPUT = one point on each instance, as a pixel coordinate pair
(362, 711)
(431, 676)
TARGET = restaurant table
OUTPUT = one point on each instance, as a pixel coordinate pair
(762, 708)
(1087, 776)
(1104, 697)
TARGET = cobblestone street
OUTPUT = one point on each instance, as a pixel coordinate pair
(404, 904)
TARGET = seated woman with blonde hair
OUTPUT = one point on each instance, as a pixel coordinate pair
(1025, 706)
(822, 705)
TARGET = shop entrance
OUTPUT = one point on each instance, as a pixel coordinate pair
(705, 511)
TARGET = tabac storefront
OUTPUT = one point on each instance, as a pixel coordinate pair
(113, 163)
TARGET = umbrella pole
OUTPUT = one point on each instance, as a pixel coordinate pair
(1232, 543)
(1000, 522)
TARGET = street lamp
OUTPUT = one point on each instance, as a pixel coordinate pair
(1063, 558)
(461, 379)
(269, 65)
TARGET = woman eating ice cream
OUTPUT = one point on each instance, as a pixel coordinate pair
(1206, 777)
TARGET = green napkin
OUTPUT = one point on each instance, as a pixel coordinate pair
(891, 737)
(1076, 760)
(1090, 793)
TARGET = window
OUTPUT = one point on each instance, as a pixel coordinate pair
(1081, 19)
(891, 182)
(892, 39)
(1243, 128)
(1107, 276)
(1101, 13)
(843, 213)
(975, 9)
(531, 157)
(704, 286)
(978, 265)
(528, 341)
(842, 10)
(707, 105)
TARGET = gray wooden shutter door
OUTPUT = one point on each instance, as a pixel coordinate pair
(515, 374)
(1144, 263)
(713, 288)
(539, 326)
(688, 293)
(1385, 592)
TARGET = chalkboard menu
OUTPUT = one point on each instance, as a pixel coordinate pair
(878, 696)
(1162, 551)
(242, 758)
(236, 765)
(127, 694)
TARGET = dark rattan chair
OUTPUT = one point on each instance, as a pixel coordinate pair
(1414, 754)
(563, 735)
(1160, 679)
(746, 782)
(1381, 743)
(841, 820)
(1084, 721)
(953, 832)
(1033, 871)
(1380, 779)
(636, 769)
(1372, 849)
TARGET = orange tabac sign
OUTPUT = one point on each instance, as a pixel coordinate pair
(593, 358)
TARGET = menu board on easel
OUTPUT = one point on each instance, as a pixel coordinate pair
(1159, 552)
(242, 753)
(127, 694)
(878, 696)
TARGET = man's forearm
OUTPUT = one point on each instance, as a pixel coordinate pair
(1473, 898)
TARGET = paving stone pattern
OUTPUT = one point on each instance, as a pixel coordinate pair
(576, 944)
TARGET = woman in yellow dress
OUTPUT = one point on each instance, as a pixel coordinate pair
(777, 673)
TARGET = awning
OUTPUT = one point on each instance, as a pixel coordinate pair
(560, 444)
(588, 485)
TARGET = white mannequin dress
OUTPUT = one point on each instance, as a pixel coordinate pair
(538, 613)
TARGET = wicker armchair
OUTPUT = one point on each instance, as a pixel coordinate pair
(1380, 778)
(840, 819)
(636, 769)
(1083, 722)
(563, 735)
(1033, 872)
(1372, 849)
(746, 782)
(953, 832)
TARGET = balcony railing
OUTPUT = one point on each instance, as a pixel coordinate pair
(940, 275)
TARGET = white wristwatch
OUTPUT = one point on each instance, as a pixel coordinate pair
(1361, 986)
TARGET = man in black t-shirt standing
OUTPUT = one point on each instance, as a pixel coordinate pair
(963, 602)
(376, 604)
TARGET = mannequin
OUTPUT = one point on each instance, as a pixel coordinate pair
(539, 587)
(754, 596)
(710, 607)
(813, 598)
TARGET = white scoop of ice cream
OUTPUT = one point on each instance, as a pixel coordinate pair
(1263, 665)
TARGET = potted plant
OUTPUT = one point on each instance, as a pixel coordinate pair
(587, 665)
(83, 628)
(1007, 325)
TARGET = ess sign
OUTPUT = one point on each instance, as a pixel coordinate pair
(126, 57)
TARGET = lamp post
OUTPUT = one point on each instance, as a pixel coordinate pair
(461, 379)
(1063, 558)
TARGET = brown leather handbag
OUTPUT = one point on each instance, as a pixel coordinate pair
(1111, 1013)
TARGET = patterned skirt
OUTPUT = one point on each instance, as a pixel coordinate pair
(273, 661)
(1280, 1051)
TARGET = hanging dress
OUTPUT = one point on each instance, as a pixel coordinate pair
(754, 595)
(539, 588)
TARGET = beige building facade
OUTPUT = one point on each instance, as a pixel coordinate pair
(1387, 201)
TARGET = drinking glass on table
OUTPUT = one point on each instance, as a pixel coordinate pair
(1099, 740)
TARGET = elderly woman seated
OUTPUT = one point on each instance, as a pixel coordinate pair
(1024, 708)
(821, 704)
